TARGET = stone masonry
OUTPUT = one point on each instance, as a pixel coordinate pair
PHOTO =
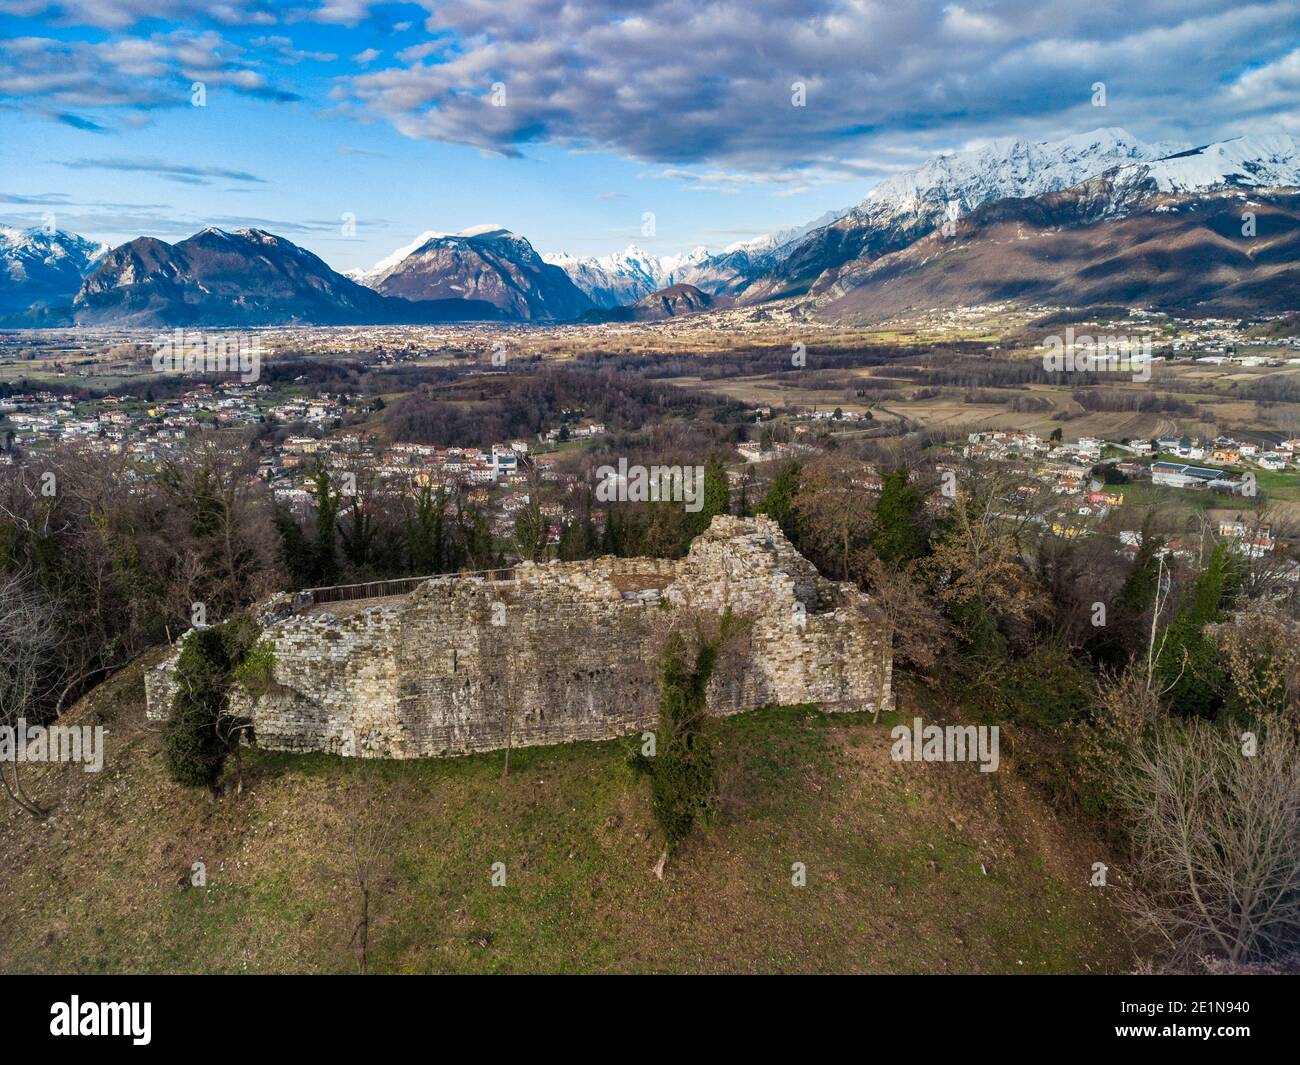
(563, 651)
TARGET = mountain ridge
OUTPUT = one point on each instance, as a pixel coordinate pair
(488, 264)
(252, 277)
(246, 277)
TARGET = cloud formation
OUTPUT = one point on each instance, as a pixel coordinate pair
(678, 82)
(61, 78)
(792, 93)
(190, 175)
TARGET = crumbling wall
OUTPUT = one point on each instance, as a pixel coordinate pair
(563, 652)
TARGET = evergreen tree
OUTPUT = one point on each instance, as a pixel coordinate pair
(425, 532)
(1123, 634)
(1188, 661)
(778, 504)
(327, 512)
(296, 554)
(194, 751)
(358, 535)
(682, 772)
(896, 533)
(716, 500)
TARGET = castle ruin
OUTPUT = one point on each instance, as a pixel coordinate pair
(555, 652)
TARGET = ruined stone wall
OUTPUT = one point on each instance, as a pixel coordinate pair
(564, 651)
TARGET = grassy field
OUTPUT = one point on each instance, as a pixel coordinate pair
(910, 867)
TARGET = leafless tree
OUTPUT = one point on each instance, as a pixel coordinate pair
(835, 514)
(982, 559)
(1215, 831)
(370, 833)
(27, 643)
(915, 629)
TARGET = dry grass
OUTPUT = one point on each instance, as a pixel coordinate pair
(911, 868)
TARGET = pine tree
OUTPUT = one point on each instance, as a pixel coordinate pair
(778, 504)
(327, 512)
(896, 534)
(193, 749)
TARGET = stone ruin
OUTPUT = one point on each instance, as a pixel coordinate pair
(557, 652)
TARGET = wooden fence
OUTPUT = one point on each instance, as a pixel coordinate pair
(345, 593)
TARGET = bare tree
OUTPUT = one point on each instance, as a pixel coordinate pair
(915, 630)
(27, 643)
(1214, 819)
(835, 515)
(369, 857)
(980, 561)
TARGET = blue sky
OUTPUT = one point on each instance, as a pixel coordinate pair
(316, 112)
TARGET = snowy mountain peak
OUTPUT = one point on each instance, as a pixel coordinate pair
(1267, 161)
(1008, 167)
(385, 264)
(43, 267)
(49, 244)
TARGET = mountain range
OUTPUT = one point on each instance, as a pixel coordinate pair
(43, 268)
(246, 278)
(1170, 233)
(1095, 218)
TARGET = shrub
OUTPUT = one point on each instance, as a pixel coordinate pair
(1046, 688)
(193, 748)
(683, 772)
(1216, 839)
(256, 668)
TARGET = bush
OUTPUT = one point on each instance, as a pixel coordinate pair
(193, 748)
(256, 668)
(1216, 839)
(1046, 688)
(683, 772)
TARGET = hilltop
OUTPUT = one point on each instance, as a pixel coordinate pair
(893, 853)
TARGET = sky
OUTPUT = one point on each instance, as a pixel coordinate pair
(349, 127)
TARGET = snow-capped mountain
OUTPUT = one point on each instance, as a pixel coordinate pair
(247, 277)
(906, 206)
(1005, 168)
(485, 263)
(1271, 161)
(365, 277)
(846, 262)
(614, 280)
(42, 268)
(626, 277)
(1165, 234)
(773, 247)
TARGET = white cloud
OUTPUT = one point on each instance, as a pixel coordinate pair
(683, 83)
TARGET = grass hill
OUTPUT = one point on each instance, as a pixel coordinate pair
(893, 855)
